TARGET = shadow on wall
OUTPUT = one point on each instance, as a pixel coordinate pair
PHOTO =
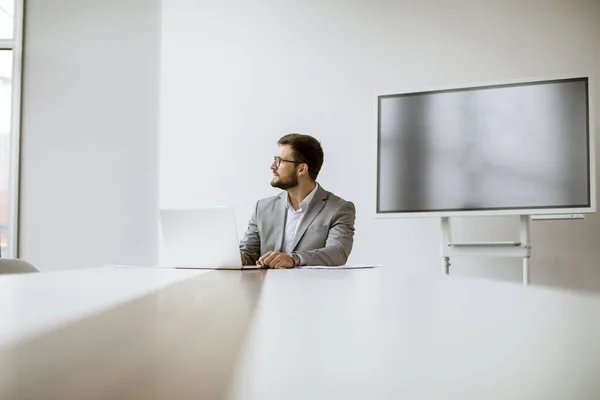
(566, 254)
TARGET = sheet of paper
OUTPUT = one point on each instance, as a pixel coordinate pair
(348, 266)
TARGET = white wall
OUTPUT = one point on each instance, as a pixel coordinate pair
(89, 181)
(238, 75)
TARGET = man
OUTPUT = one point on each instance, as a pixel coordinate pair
(305, 224)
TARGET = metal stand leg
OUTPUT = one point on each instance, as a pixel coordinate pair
(525, 271)
(520, 249)
(525, 236)
(446, 265)
(446, 237)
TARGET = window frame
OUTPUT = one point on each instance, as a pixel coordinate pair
(14, 155)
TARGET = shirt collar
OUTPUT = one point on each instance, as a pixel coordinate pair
(304, 203)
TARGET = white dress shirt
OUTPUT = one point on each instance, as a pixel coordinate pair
(293, 219)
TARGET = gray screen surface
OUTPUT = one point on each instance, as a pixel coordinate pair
(503, 147)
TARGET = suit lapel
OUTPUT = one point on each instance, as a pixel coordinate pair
(279, 221)
(314, 209)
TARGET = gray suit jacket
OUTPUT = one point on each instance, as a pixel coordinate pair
(325, 235)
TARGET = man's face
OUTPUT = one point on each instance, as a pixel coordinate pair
(285, 176)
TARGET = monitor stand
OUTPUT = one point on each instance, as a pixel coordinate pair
(515, 249)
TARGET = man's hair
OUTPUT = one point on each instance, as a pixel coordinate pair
(306, 149)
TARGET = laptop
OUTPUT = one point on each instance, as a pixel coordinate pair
(204, 237)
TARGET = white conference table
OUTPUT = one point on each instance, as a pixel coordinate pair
(385, 333)
(34, 303)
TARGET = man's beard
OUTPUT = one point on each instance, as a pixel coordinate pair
(286, 184)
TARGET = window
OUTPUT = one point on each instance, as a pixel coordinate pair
(5, 111)
(10, 73)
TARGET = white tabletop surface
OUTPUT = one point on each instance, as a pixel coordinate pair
(386, 334)
(31, 304)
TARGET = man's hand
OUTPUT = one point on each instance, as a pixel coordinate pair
(276, 260)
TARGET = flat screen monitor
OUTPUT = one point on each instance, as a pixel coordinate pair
(522, 148)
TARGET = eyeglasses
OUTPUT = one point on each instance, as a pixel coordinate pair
(278, 160)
